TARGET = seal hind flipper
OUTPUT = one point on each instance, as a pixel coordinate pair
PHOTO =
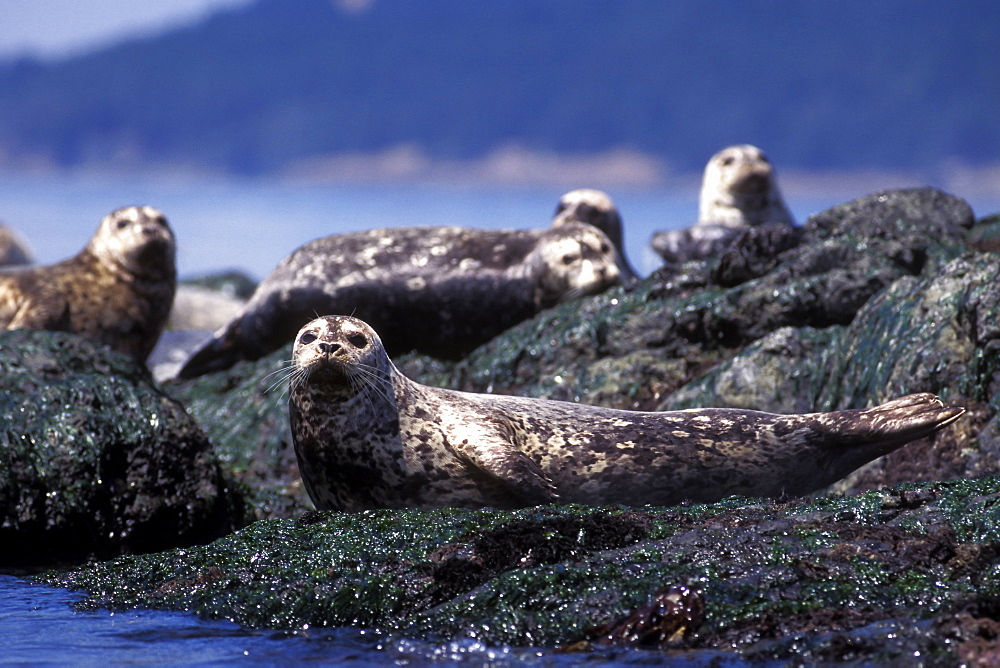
(846, 440)
(891, 424)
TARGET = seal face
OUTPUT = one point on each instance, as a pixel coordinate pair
(595, 207)
(368, 437)
(739, 189)
(117, 291)
(438, 290)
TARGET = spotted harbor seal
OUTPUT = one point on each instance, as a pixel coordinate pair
(368, 437)
(117, 291)
(738, 190)
(438, 290)
(595, 207)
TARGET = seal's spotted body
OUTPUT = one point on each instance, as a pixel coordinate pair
(437, 290)
(117, 291)
(368, 437)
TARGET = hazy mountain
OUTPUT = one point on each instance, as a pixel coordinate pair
(848, 85)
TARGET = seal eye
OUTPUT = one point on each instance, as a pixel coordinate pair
(568, 258)
(121, 224)
(605, 249)
(358, 340)
(306, 338)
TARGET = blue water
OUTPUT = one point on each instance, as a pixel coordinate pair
(38, 626)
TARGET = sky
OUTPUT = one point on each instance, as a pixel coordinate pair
(56, 28)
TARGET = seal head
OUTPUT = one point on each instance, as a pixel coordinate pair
(595, 207)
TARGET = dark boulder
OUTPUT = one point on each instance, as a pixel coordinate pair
(97, 460)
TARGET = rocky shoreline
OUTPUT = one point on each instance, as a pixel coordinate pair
(893, 293)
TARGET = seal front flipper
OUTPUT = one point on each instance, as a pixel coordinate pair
(504, 463)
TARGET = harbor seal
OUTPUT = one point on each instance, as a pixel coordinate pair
(368, 437)
(739, 189)
(117, 291)
(595, 207)
(438, 290)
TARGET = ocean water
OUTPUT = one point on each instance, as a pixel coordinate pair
(39, 626)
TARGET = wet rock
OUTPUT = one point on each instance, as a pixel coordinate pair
(868, 301)
(876, 577)
(633, 348)
(244, 411)
(985, 234)
(97, 459)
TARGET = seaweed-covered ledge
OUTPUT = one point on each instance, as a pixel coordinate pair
(881, 576)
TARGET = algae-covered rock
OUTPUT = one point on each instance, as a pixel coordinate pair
(96, 459)
(244, 411)
(764, 580)
(674, 326)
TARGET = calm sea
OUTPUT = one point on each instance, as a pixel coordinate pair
(251, 225)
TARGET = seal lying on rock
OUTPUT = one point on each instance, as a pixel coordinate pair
(438, 290)
(738, 190)
(595, 207)
(117, 291)
(368, 437)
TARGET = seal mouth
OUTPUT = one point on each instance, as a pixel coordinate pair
(326, 371)
(755, 181)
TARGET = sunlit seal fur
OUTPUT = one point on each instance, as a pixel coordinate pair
(368, 437)
(117, 291)
(739, 190)
(437, 290)
(595, 207)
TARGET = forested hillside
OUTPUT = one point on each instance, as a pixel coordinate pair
(849, 85)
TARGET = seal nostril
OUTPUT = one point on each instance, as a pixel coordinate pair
(329, 348)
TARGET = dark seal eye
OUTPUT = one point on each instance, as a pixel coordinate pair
(308, 337)
(358, 340)
(123, 223)
(568, 259)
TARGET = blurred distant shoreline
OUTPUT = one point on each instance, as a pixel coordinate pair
(514, 166)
